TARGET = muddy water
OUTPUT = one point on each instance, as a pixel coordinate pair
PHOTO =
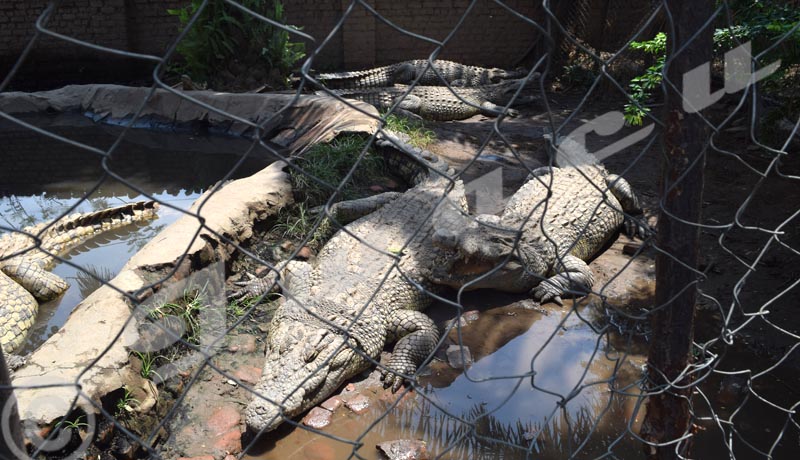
(41, 178)
(506, 405)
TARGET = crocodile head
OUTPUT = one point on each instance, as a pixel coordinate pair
(501, 93)
(306, 361)
(482, 256)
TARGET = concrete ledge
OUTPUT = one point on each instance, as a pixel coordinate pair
(292, 122)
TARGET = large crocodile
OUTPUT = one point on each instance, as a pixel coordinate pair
(556, 222)
(365, 289)
(26, 256)
(441, 103)
(407, 71)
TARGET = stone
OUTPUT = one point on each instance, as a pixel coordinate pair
(248, 374)
(202, 457)
(229, 442)
(456, 359)
(471, 315)
(223, 419)
(358, 404)
(304, 253)
(318, 418)
(630, 249)
(332, 403)
(404, 449)
(247, 343)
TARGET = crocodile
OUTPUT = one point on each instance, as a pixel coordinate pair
(365, 289)
(27, 255)
(548, 231)
(407, 71)
(441, 103)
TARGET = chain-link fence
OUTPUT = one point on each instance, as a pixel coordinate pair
(675, 341)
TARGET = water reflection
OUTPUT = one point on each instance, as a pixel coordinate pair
(531, 393)
(40, 179)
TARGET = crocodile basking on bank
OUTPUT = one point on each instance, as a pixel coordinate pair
(365, 289)
(407, 71)
(24, 263)
(550, 228)
(440, 103)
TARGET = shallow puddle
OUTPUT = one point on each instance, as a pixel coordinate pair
(41, 178)
(494, 409)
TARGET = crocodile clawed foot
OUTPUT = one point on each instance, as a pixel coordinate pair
(544, 293)
(392, 375)
(390, 379)
(635, 227)
(254, 287)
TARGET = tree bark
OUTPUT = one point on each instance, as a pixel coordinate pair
(685, 140)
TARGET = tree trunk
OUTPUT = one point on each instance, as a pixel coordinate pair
(685, 139)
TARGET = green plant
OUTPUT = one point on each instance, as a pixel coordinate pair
(124, 403)
(294, 223)
(75, 424)
(642, 86)
(330, 162)
(764, 23)
(419, 136)
(187, 310)
(223, 35)
(149, 365)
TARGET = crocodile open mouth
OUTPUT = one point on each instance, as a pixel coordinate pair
(469, 268)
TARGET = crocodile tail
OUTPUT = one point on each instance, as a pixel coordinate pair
(370, 78)
(76, 228)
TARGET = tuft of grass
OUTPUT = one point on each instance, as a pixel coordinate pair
(187, 309)
(148, 364)
(419, 135)
(294, 223)
(330, 163)
(124, 404)
(238, 308)
(75, 424)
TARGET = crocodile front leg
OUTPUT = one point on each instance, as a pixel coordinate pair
(297, 278)
(491, 109)
(418, 336)
(571, 274)
(623, 192)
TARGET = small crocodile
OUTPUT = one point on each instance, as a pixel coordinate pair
(440, 103)
(365, 289)
(25, 261)
(556, 222)
(407, 71)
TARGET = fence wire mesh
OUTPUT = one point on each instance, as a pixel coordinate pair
(543, 381)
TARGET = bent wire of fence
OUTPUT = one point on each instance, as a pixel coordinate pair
(703, 381)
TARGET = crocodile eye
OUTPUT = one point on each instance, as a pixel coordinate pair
(310, 355)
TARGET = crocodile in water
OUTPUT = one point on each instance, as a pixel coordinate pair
(407, 71)
(24, 263)
(563, 216)
(369, 280)
(440, 103)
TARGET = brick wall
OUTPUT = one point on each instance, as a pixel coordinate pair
(489, 36)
